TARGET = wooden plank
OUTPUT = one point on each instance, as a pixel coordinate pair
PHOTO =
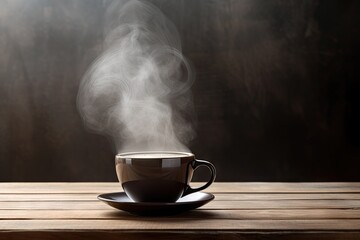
(260, 204)
(245, 187)
(181, 235)
(277, 214)
(285, 196)
(219, 196)
(57, 187)
(13, 197)
(163, 224)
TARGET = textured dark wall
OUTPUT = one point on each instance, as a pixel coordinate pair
(276, 93)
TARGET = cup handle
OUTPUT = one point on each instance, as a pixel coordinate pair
(195, 164)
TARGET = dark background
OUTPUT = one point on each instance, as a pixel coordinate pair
(276, 91)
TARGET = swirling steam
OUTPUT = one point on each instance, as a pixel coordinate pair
(138, 90)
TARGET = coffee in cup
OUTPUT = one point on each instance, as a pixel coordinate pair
(159, 176)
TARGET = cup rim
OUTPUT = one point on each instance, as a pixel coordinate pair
(127, 155)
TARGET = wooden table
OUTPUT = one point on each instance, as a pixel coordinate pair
(239, 211)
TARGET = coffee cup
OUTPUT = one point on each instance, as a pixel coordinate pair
(159, 176)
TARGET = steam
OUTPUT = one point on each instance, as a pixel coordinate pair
(138, 90)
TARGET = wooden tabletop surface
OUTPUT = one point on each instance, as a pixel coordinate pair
(239, 211)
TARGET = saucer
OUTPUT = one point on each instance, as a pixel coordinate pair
(121, 201)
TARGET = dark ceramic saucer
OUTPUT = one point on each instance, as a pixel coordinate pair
(121, 201)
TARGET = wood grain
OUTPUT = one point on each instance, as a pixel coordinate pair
(217, 187)
(239, 211)
(181, 224)
(218, 214)
(260, 204)
(182, 235)
(13, 197)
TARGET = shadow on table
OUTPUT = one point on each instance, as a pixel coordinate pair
(185, 216)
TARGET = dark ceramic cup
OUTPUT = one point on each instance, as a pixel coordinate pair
(159, 176)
